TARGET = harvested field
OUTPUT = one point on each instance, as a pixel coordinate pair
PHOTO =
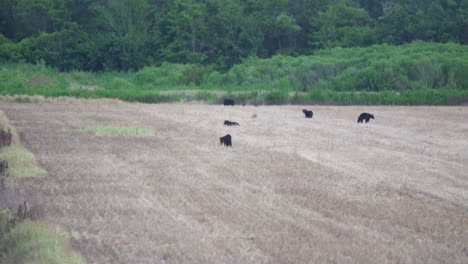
(290, 190)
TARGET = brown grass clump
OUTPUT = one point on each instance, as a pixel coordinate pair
(40, 81)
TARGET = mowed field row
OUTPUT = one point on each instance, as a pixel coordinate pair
(290, 190)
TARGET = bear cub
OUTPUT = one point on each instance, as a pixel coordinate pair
(365, 116)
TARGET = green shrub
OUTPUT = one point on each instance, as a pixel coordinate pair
(376, 68)
(7, 222)
(166, 75)
(9, 51)
(32, 242)
(194, 74)
(22, 163)
(377, 72)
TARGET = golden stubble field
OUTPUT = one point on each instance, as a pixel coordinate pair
(290, 190)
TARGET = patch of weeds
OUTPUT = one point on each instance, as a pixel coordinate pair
(128, 131)
(25, 241)
(40, 81)
(22, 163)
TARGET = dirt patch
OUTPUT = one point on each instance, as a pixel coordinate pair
(76, 86)
(290, 190)
(40, 81)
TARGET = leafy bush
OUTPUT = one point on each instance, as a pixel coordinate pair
(9, 51)
(194, 74)
(166, 75)
(376, 68)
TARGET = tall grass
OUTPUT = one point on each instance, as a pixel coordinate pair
(33, 242)
(22, 163)
(416, 73)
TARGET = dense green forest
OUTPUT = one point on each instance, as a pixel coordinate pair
(96, 35)
(256, 51)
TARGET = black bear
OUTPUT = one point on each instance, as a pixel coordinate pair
(365, 116)
(307, 113)
(3, 168)
(228, 102)
(226, 140)
(229, 123)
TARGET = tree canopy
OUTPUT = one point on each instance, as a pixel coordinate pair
(130, 34)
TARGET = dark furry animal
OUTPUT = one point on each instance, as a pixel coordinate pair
(3, 173)
(5, 137)
(307, 113)
(3, 168)
(228, 102)
(23, 211)
(229, 123)
(226, 140)
(365, 116)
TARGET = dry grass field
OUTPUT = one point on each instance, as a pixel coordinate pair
(290, 190)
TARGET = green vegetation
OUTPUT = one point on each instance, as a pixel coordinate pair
(31, 242)
(257, 52)
(129, 131)
(415, 73)
(96, 35)
(22, 163)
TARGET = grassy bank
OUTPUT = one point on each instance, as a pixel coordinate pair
(23, 239)
(33, 242)
(417, 73)
(21, 162)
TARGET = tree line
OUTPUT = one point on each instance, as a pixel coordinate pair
(95, 35)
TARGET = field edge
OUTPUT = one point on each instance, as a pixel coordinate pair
(23, 237)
